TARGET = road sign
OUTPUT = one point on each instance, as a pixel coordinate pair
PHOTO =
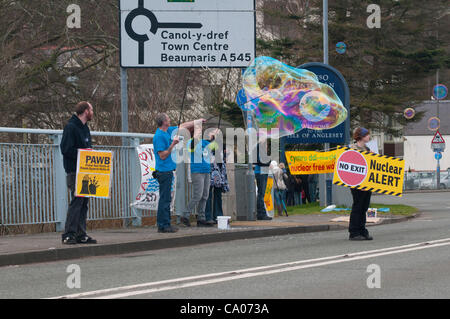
(200, 33)
(437, 138)
(351, 168)
(339, 134)
(438, 142)
(438, 147)
(241, 100)
(438, 155)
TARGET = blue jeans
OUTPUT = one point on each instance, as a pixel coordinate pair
(298, 198)
(165, 197)
(261, 183)
(280, 196)
(214, 204)
(312, 191)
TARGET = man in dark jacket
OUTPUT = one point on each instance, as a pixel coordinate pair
(76, 135)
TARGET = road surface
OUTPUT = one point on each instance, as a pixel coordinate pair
(405, 260)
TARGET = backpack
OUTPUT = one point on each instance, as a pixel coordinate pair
(216, 177)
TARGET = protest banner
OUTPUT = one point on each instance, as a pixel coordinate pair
(268, 195)
(302, 163)
(94, 170)
(369, 171)
(148, 196)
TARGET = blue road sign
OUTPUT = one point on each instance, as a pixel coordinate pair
(438, 155)
(340, 134)
(241, 100)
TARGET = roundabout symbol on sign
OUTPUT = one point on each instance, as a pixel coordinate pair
(352, 168)
(155, 25)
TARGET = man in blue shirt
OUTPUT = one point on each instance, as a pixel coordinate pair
(163, 144)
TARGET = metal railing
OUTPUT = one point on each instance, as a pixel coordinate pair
(33, 186)
(27, 184)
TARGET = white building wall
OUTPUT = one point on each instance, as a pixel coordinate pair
(419, 156)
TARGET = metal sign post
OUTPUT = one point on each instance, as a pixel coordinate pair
(124, 102)
(438, 146)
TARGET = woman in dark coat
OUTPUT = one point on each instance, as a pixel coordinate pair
(361, 199)
(219, 184)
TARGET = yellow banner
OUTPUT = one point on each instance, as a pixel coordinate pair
(369, 171)
(94, 170)
(268, 195)
(302, 163)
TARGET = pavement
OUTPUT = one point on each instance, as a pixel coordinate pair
(47, 247)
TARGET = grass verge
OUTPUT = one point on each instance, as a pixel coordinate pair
(314, 208)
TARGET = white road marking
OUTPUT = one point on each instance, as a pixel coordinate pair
(253, 272)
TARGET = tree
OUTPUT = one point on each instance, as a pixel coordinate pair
(387, 68)
(46, 68)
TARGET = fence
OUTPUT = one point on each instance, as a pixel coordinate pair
(33, 181)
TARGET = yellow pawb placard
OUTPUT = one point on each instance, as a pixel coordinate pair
(94, 171)
(383, 174)
(303, 163)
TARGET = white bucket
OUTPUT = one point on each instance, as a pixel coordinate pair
(223, 222)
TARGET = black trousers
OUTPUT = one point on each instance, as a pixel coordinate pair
(261, 183)
(361, 202)
(77, 212)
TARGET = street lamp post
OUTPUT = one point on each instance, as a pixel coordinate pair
(323, 178)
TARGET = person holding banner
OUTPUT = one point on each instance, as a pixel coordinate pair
(279, 190)
(76, 135)
(361, 199)
(219, 184)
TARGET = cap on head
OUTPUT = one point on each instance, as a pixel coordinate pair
(273, 165)
(359, 133)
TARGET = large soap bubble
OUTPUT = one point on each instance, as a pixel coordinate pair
(440, 91)
(409, 113)
(434, 123)
(341, 47)
(290, 99)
